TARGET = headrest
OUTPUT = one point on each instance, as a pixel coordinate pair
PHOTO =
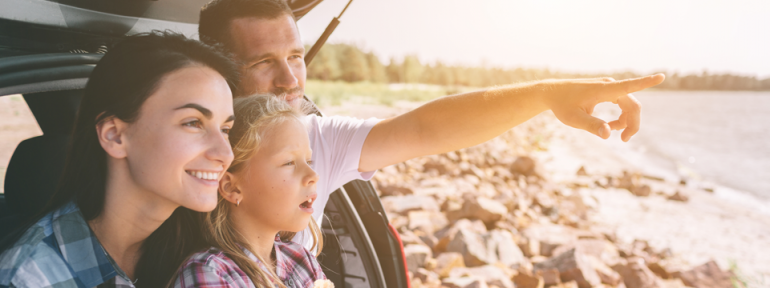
(33, 173)
(37, 163)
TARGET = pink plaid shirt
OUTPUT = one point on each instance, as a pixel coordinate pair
(295, 266)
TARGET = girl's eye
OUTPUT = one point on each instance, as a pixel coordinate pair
(310, 162)
(194, 123)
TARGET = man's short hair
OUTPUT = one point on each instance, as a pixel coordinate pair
(216, 16)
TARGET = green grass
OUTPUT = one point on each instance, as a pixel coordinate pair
(328, 93)
(741, 280)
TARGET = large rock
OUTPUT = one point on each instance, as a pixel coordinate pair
(428, 278)
(394, 189)
(601, 249)
(707, 275)
(482, 208)
(447, 261)
(550, 276)
(572, 266)
(490, 274)
(471, 245)
(635, 274)
(427, 221)
(501, 243)
(680, 196)
(446, 235)
(525, 165)
(527, 280)
(463, 282)
(549, 237)
(666, 269)
(606, 274)
(416, 255)
(406, 203)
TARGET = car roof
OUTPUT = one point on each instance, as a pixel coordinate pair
(118, 18)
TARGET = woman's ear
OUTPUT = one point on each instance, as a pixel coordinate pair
(110, 132)
(228, 188)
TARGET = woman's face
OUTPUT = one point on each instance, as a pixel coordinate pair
(277, 184)
(177, 149)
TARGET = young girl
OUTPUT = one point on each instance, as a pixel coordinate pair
(150, 136)
(269, 188)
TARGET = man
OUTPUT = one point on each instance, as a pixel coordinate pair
(263, 36)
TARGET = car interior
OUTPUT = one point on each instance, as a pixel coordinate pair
(48, 48)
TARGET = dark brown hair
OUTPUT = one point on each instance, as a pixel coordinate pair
(216, 16)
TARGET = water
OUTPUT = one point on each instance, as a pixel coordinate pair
(715, 136)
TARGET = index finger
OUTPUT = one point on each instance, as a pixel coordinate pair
(638, 84)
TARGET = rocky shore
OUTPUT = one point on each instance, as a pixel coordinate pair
(505, 214)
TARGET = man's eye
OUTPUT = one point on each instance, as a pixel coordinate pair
(262, 62)
(194, 123)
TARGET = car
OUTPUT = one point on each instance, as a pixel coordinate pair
(48, 48)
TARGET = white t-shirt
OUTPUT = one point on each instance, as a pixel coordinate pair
(336, 142)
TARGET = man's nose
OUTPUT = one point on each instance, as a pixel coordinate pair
(285, 76)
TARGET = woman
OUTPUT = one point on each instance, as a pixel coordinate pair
(151, 136)
(269, 188)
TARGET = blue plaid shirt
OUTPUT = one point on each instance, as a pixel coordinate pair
(60, 251)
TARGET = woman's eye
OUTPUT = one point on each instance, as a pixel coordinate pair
(194, 123)
(288, 163)
(226, 131)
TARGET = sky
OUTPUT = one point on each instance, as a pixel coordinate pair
(573, 36)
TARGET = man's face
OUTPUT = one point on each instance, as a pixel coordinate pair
(272, 55)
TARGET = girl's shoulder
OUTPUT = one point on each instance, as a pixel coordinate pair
(211, 268)
(295, 262)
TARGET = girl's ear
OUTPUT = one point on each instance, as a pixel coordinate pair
(228, 188)
(110, 132)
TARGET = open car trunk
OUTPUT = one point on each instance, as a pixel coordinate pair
(47, 51)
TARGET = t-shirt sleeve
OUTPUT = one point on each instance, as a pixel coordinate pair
(341, 139)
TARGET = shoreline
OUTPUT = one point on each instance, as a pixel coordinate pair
(723, 230)
(727, 226)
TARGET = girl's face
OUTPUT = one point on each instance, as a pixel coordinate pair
(277, 184)
(178, 149)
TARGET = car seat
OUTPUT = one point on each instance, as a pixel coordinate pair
(37, 163)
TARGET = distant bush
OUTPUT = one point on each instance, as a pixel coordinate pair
(328, 93)
(348, 63)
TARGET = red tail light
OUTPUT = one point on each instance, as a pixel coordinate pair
(403, 255)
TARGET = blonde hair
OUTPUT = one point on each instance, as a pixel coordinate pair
(254, 115)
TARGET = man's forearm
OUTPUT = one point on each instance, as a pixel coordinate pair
(455, 122)
(452, 122)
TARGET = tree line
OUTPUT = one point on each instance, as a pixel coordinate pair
(344, 62)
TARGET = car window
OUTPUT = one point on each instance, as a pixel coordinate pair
(16, 124)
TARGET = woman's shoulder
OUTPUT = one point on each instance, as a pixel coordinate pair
(33, 250)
